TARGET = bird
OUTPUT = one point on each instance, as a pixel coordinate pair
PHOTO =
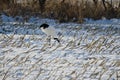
(49, 31)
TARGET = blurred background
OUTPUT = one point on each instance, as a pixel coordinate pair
(62, 10)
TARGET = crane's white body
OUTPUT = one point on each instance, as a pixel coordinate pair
(50, 31)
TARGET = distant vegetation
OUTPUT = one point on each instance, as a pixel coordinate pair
(63, 10)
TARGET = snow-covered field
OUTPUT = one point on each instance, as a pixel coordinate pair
(89, 51)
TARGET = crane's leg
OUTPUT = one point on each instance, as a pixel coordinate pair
(49, 40)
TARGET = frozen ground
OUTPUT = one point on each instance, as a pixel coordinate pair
(89, 51)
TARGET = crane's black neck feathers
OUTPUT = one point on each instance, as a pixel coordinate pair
(44, 26)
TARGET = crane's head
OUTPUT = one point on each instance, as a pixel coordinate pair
(44, 26)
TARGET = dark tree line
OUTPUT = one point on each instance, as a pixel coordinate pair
(105, 3)
(42, 5)
(62, 10)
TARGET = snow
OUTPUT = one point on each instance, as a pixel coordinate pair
(88, 51)
(6, 18)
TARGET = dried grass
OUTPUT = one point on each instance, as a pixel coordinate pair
(100, 45)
